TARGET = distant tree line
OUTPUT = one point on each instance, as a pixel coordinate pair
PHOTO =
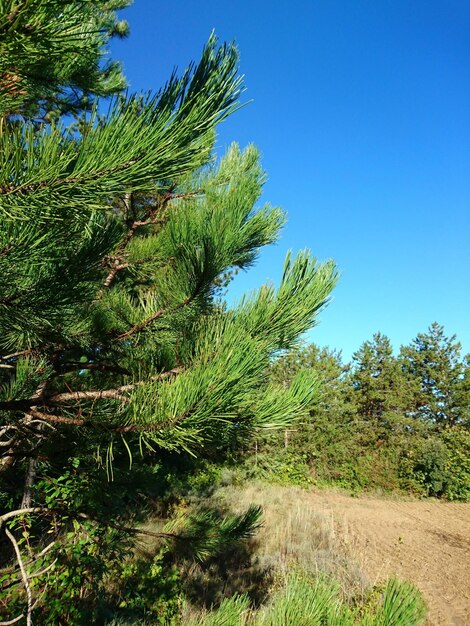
(383, 421)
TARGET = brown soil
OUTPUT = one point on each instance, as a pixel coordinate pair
(427, 542)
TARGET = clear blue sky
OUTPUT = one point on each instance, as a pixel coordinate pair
(361, 110)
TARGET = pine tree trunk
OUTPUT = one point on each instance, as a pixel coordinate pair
(28, 483)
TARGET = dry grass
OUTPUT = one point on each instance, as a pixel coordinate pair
(295, 534)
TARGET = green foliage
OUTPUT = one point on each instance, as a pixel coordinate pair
(203, 533)
(378, 381)
(147, 588)
(50, 55)
(283, 467)
(68, 576)
(457, 441)
(364, 431)
(429, 469)
(443, 391)
(400, 604)
(439, 465)
(76, 585)
(232, 612)
(302, 602)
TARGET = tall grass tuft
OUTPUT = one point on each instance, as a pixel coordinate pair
(303, 602)
(402, 604)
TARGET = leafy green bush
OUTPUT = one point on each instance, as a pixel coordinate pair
(428, 467)
(457, 441)
(280, 466)
(396, 455)
(439, 466)
(147, 587)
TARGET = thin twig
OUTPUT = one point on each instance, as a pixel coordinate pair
(147, 220)
(23, 575)
(142, 325)
(36, 557)
(41, 572)
(13, 355)
(60, 419)
(12, 621)
(5, 429)
(7, 444)
(131, 530)
(138, 327)
(100, 367)
(16, 513)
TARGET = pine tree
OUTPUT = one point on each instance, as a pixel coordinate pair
(434, 361)
(51, 55)
(117, 231)
(379, 384)
(326, 367)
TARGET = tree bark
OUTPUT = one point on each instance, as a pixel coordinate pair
(29, 482)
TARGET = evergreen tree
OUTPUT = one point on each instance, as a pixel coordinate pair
(51, 55)
(322, 442)
(377, 380)
(116, 235)
(362, 431)
(443, 391)
(326, 366)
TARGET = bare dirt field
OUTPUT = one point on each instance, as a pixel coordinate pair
(427, 542)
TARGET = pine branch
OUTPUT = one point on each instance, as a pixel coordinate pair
(145, 221)
(98, 394)
(131, 530)
(137, 328)
(115, 428)
(80, 515)
(69, 181)
(14, 355)
(70, 366)
(58, 419)
(142, 140)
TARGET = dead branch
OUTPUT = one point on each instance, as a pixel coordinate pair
(42, 571)
(23, 575)
(12, 621)
(13, 355)
(10, 570)
(16, 513)
(59, 419)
